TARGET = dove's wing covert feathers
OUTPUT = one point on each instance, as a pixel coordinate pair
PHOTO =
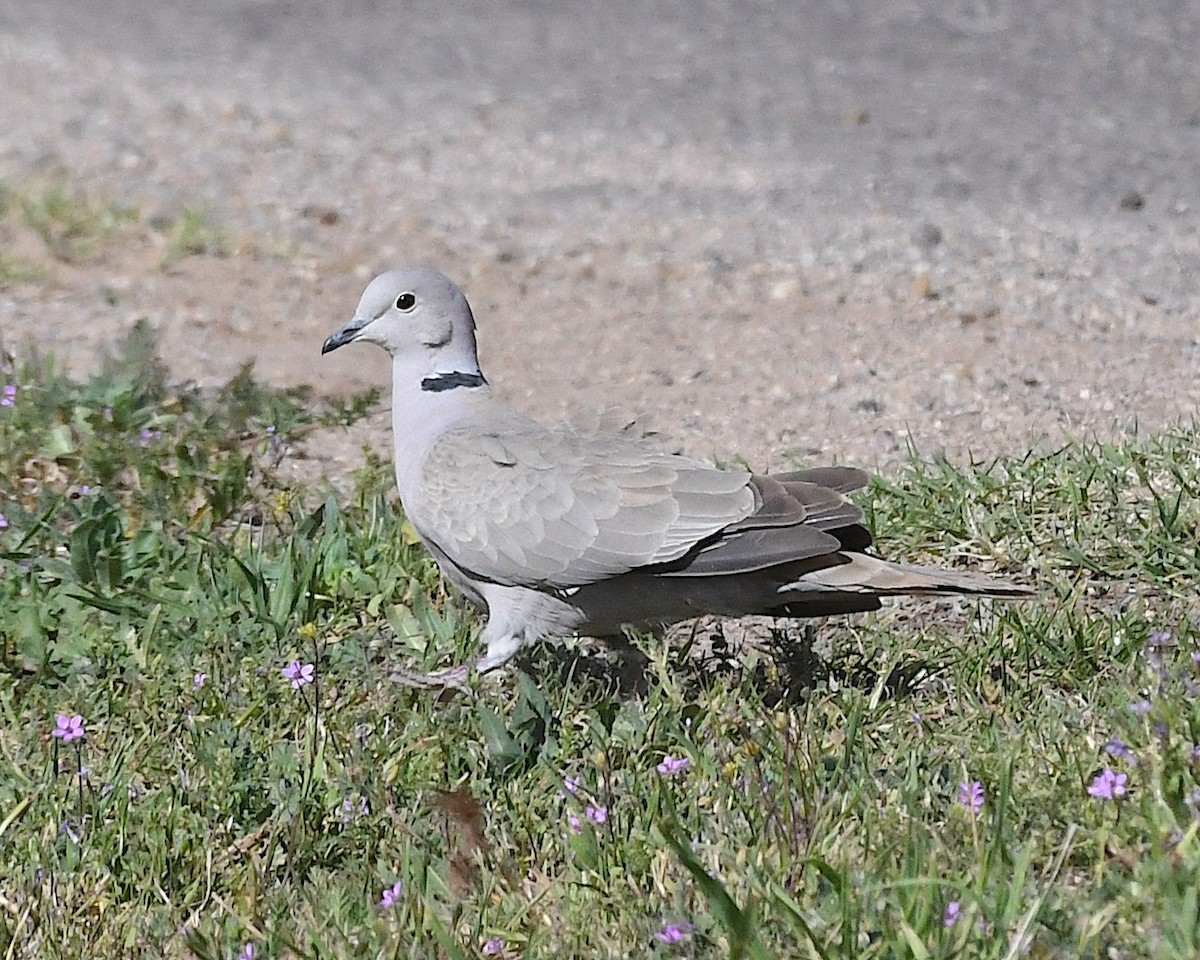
(522, 504)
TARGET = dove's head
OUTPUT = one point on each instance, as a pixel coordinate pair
(419, 317)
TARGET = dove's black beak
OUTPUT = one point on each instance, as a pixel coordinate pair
(344, 336)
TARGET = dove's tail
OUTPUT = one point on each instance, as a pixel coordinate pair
(867, 574)
(859, 583)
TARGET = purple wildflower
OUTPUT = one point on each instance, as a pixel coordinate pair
(1160, 638)
(597, 815)
(1141, 707)
(1108, 785)
(350, 811)
(84, 490)
(671, 765)
(299, 675)
(246, 953)
(68, 728)
(494, 948)
(1117, 748)
(571, 785)
(10, 395)
(970, 796)
(673, 933)
(392, 896)
(950, 914)
(199, 680)
(573, 824)
(147, 436)
(3, 521)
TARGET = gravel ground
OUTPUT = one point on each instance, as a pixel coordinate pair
(819, 229)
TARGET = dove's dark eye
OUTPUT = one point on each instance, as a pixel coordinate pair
(406, 301)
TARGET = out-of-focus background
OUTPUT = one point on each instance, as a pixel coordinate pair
(816, 230)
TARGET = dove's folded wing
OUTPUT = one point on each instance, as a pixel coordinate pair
(549, 507)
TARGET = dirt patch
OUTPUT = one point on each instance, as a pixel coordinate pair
(762, 233)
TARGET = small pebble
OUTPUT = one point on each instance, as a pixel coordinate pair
(927, 236)
(1132, 201)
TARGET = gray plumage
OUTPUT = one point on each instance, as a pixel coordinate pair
(556, 531)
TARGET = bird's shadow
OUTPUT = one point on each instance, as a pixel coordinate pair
(791, 670)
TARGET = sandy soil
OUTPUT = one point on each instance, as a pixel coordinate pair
(817, 230)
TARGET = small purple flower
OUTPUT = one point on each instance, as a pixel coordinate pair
(3, 521)
(10, 395)
(671, 765)
(68, 728)
(299, 675)
(147, 437)
(1117, 748)
(571, 785)
(1141, 707)
(246, 953)
(673, 933)
(494, 948)
(1160, 638)
(350, 811)
(597, 815)
(573, 824)
(970, 796)
(392, 896)
(950, 914)
(199, 680)
(1108, 785)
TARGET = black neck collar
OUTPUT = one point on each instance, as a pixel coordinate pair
(449, 381)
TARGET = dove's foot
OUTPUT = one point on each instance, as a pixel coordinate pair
(454, 678)
(499, 651)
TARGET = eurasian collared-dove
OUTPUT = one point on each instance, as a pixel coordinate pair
(556, 532)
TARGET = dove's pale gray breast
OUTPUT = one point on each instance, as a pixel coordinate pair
(524, 504)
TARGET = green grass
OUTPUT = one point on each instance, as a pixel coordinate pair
(817, 816)
(76, 227)
(194, 234)
(70, 223)
(17, 270)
